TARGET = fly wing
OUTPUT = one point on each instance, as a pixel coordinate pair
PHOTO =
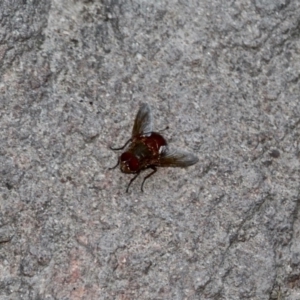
(176, 158)
(143, 121)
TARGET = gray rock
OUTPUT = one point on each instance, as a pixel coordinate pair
(224, 76)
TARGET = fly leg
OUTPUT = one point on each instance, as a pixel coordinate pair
(131, 181)
(114, 166)
(121, 148)
(146, 177)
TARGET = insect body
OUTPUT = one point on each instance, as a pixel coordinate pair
(149, 149)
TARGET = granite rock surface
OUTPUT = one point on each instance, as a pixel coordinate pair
(223, 75)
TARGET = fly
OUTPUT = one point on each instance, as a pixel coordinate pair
(149, 150)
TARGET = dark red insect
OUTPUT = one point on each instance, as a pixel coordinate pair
(149, 149)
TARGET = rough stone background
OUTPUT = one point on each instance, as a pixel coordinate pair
(224, 75)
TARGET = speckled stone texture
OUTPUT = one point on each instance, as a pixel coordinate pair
(223, 75)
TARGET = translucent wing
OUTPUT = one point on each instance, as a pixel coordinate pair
(143, 120)
(176, 158)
